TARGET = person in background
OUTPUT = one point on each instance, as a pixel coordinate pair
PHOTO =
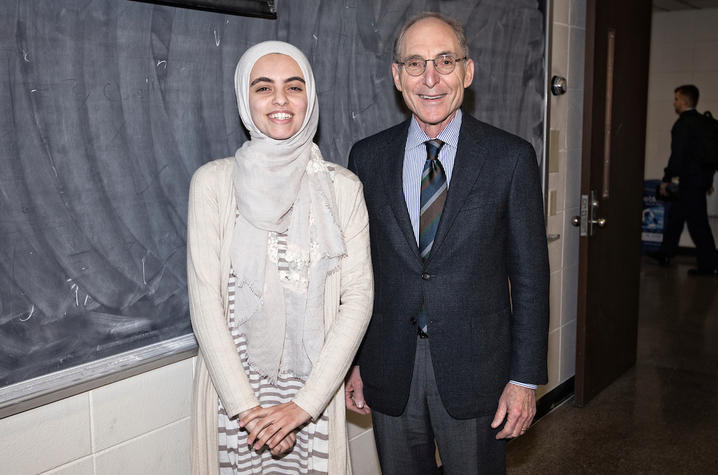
(686, 163)
(280, 283)
(459, 332)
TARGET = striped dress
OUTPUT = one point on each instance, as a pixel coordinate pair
(311, 451)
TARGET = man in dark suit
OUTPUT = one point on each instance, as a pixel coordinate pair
(696, 180)
(458, 337)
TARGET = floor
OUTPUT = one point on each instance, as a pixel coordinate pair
(661, 417)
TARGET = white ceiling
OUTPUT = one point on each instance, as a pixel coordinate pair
(671, 5)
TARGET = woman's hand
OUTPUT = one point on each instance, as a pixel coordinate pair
(252, 424)
(271, 425)
(285, 445)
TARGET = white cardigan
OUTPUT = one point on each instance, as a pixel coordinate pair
(218, 372)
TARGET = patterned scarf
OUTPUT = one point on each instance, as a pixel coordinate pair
(282, 186)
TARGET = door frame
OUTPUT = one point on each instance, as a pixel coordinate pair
(586, 136)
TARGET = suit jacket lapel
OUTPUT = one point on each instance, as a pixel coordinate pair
(470, 157)
(392, 174)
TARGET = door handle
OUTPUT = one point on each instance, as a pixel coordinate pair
(576, 221)
(600, 222)
(588, 221)
(610, 69)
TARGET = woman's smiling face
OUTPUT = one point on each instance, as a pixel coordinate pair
(277, 96)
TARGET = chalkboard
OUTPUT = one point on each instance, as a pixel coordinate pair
(108, 107)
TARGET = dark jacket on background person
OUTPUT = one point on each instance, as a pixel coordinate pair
(686, 161)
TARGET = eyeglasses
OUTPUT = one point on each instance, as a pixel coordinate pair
(444, 64)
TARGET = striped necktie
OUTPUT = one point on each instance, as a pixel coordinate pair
(433, 196)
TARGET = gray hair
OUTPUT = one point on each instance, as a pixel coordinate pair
(452, 22)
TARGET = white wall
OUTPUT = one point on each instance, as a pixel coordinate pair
(136, 426)
(564, 186)
(684, 50)
(141, 425)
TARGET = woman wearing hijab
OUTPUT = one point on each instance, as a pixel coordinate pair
(280, 283)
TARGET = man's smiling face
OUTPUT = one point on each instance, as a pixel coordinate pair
(433, 98)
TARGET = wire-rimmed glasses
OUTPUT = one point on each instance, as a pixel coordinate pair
(444, 64)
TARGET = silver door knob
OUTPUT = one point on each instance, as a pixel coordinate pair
(558, 85)
(576, 221)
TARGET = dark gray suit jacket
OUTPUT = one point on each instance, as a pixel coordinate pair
(483, 330)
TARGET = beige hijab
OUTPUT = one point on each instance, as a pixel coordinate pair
(282, 186)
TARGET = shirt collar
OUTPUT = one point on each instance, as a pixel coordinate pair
(450, 134)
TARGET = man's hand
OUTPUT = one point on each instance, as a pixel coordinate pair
(663, 189)
(354, 392)
(271, 425)
(518, 405)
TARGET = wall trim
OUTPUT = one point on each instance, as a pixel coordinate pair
(554, 398)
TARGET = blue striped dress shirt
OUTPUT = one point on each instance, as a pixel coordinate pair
(415, 158)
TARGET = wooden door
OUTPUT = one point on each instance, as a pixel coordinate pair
(616, 82)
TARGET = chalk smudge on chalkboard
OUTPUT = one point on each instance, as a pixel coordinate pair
(29, 315)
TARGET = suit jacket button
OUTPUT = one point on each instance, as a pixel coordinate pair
(426, 276)
(412, 320)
